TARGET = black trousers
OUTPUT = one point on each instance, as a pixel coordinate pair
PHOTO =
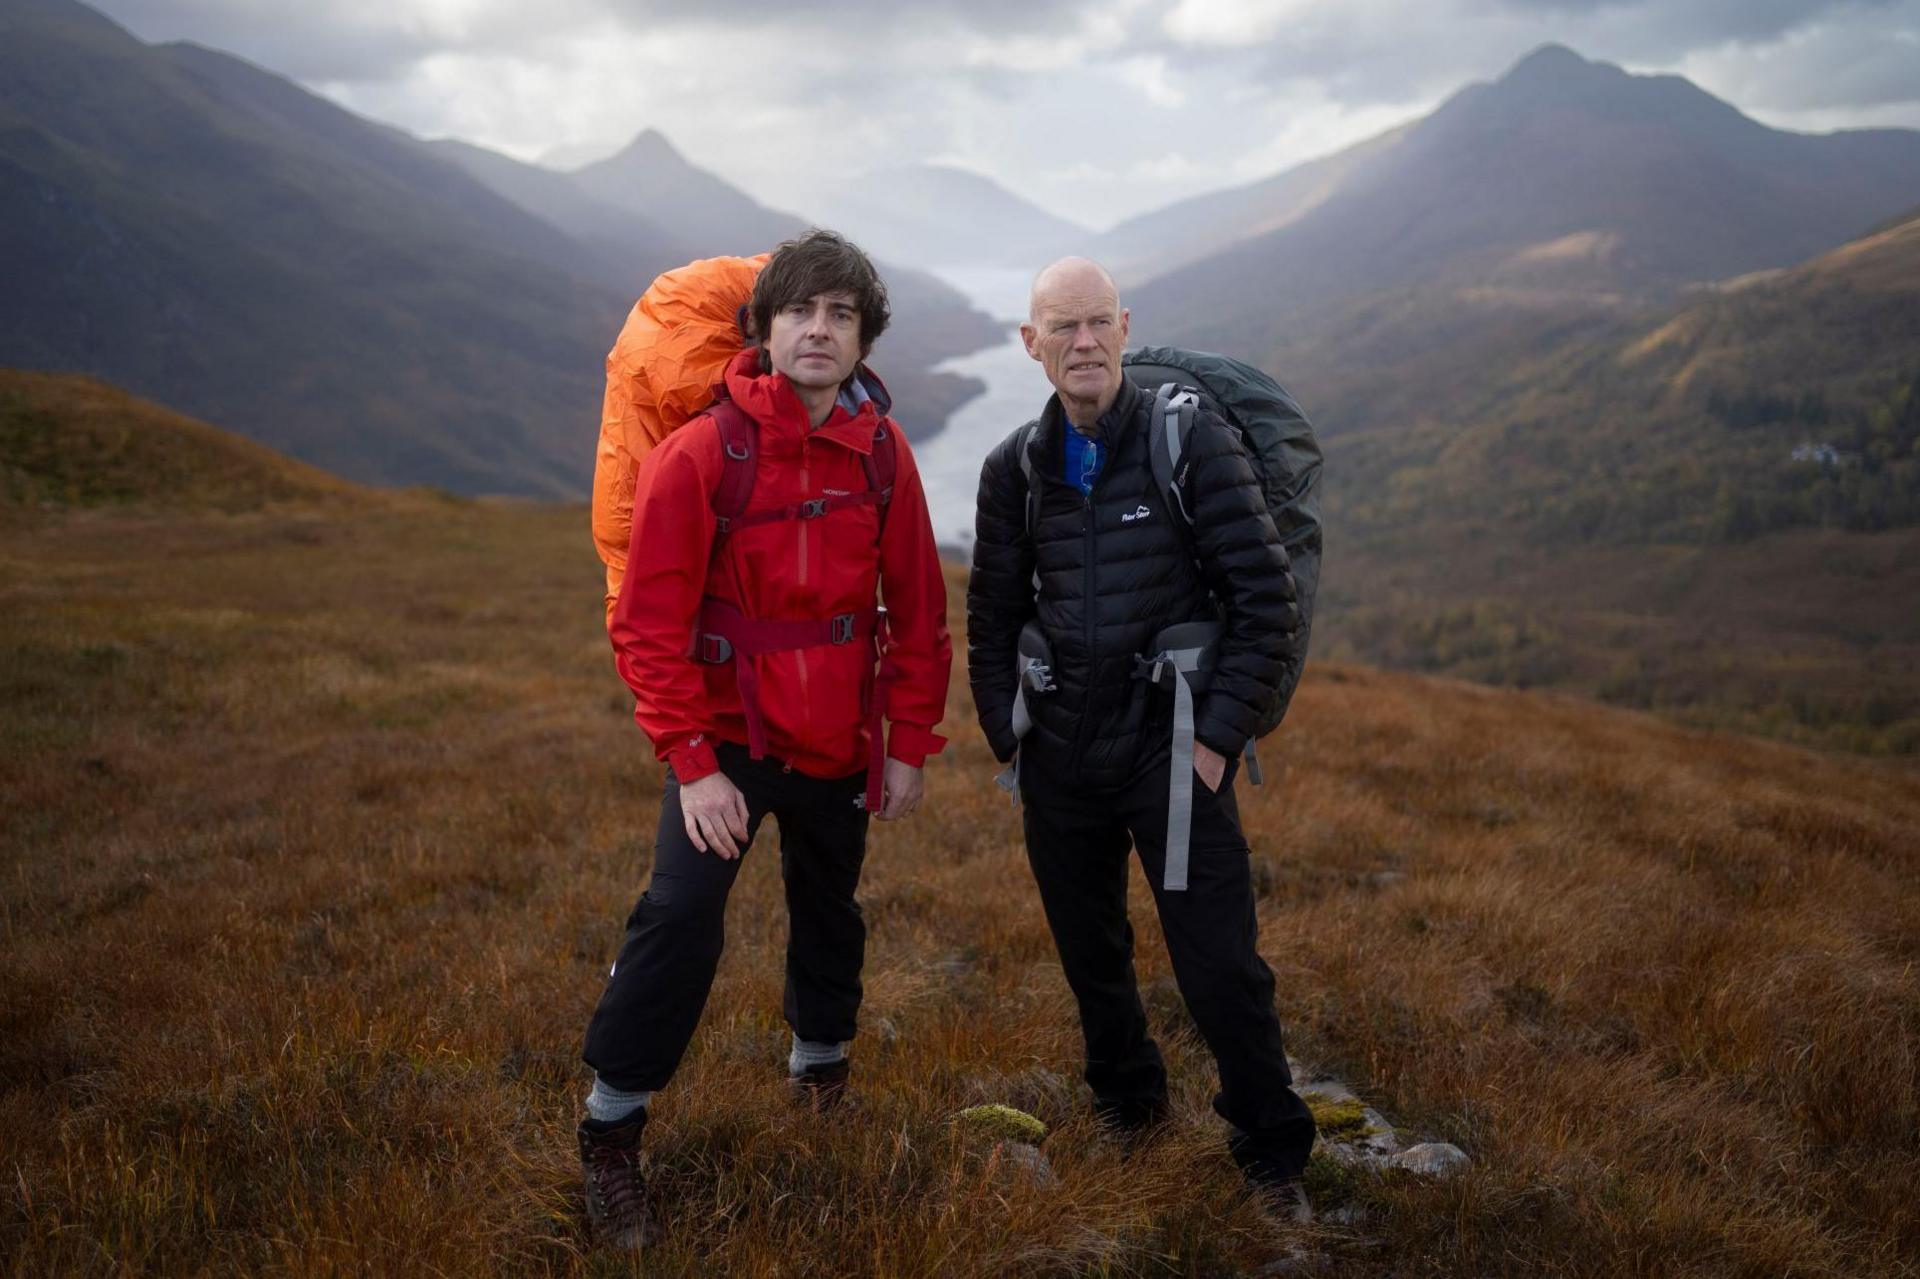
(1077, 844)
(652, 1002)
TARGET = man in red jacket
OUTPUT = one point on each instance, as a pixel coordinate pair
(747, 627)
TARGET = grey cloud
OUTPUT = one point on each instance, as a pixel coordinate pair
(1435, 51)
(851, 20)
(297, 41)
(314, 41)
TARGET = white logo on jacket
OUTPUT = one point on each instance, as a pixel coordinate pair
(1138, 513)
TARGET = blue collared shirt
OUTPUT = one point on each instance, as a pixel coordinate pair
(1084, 457)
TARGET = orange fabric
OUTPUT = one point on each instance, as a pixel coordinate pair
(802, 570)
(670, 354)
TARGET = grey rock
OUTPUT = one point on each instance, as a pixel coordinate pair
(1432, 1159)
(1019, 1160)
(1381, 1139)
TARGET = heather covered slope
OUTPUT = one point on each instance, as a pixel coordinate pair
(1712, 511)
(69, 441)
(318, 832)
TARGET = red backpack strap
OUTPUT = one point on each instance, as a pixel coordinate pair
(882, 463)
(739, 443)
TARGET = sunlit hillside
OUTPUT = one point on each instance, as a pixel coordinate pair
(319, 826)
(70, 441)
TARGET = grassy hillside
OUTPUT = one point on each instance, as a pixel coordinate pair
(1712, 511)
(319, 829)
(69, 441)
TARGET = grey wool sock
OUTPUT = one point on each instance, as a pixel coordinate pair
(808, 1053)
(609, 1105)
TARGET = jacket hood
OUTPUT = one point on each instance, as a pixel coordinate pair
(769, 398)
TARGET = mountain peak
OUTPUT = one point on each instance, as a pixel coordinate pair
(1556, 66)
(651, 146)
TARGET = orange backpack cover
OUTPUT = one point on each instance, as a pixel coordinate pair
(660, 375)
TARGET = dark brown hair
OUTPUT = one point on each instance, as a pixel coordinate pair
(819, 262)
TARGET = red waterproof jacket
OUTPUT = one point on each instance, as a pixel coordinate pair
(811, 698)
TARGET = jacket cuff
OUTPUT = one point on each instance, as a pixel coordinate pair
(692, 759)
(1219, 739)
(911, 744)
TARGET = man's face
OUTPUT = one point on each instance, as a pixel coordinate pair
(1078, 332)
(816, 343)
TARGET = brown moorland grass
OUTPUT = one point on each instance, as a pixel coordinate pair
(319, 828)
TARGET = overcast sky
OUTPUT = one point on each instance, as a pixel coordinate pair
(1096, 110)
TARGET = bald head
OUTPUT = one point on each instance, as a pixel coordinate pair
(1069, 278)
(1077, 329)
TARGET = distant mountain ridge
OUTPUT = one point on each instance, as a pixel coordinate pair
(687, 201)
(1547, 203)
(211, 235)
(649, 195)
(944, 216)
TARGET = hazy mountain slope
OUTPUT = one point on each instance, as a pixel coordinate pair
(212, 236)
(931, 320)
(630, 248)
(943, 216)
(650, 176)
(1545, 204)
(1194, 228)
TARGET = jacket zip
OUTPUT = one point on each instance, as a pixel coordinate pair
(1091, 541)
(806, 491)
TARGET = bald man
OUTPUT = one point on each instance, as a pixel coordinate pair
(1103, 566)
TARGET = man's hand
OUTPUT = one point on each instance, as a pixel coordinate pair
(716, 815)
(904, 785)
(1210, 764)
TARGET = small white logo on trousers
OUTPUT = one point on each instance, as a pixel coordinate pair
(1139, 513)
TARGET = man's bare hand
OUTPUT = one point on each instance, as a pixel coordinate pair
(904, 786)
(1210, 764)
(716, 815)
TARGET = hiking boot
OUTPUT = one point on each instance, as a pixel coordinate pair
(1284, 1202)
(1130, 1125)
(821, 1088)
(616, 1189)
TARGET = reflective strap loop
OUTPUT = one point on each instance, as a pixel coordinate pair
(1008, 778)
(1180, 774)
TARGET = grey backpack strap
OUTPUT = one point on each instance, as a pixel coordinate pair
(1180, 783)
(1033, 664)
(1173, 411)
(1184, 650)
(1033, 493)
(1252, 757)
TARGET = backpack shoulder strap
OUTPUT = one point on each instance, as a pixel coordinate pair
(882, 465)
(1174, 409)
(739, 441)
(1022, 448)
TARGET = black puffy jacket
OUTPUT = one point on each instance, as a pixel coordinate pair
(1114, 568)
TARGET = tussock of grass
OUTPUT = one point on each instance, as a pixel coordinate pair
(316, 849)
